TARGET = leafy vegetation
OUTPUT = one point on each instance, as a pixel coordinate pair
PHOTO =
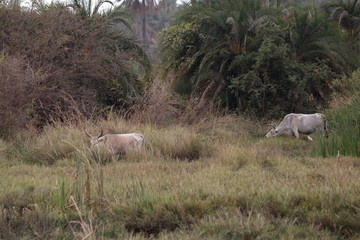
(347, 14)
(345, 132)
(256, 58)
(344, 123)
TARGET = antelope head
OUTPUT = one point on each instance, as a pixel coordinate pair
(94, 139)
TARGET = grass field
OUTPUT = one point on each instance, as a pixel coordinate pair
(216, 180)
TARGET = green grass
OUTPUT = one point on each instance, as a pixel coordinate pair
(344, 134)
(213, 181)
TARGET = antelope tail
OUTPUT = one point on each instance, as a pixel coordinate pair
(326, 129)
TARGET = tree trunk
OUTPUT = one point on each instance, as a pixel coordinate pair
(144, 37)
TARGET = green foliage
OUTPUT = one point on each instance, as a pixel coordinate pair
(346, 13)
(344, 137)
(61, 198)
(182, 41)
(87, 9)
(343, 120)
(266, 60)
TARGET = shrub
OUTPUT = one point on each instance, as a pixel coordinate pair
(60, 66)
(246, 56)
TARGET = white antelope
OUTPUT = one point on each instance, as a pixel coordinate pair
(295, 123)
(118, 143)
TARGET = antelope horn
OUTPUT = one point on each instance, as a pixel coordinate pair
(87, 133)
(102, 132)
(273, 125)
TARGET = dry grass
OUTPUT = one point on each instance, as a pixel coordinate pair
(236, 186)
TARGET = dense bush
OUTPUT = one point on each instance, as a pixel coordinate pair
(261, 59)
(54, 63)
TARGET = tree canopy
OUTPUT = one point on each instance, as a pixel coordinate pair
(257, 57)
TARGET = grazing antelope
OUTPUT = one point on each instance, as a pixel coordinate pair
(118, 143)
(295, 123)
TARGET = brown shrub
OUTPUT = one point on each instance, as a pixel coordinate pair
(158, 105)
(15, 94)
(162, 106)
(25, 100)
(55, 65)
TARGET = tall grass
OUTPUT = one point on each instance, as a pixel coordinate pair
(62, 196)
(344, 137)
(237, 186)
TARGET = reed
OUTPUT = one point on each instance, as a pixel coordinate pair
(344, 136)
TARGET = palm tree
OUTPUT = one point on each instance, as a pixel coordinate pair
(87, 9)
(128, 60)
(141, 9)
(248, 56)
(225, 27)
(311, 37)
(347, 13)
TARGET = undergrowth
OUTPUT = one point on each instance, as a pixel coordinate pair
(212, 181)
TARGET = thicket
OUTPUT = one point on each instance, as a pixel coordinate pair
(54, 64)
(262, 58)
